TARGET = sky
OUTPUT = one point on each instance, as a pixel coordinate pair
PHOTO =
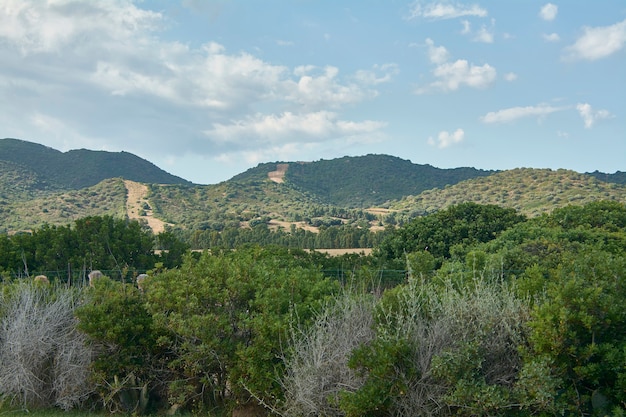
(206, 89)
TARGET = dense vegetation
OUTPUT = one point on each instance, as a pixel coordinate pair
(529, 191)
(80, 168)
(62, 208)
(364, 181)
(340, 203)
(496, 314)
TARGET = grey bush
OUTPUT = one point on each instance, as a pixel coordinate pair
(441, 321)
(44, 360)
(317, 368)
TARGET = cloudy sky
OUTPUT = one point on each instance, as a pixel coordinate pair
(206, 89)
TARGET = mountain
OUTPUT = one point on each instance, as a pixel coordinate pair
(40, 185)
(363, 181)
(49, 169)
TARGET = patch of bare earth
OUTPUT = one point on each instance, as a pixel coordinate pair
(279, 224)
(278, 175)
(138, 207)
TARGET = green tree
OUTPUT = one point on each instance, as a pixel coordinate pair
(223, 317)
(464, 224)
(115, 319)
(579, 329)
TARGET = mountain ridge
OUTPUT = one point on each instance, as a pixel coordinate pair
(80, 168)
(370, 191)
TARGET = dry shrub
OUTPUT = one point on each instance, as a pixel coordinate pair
(484, 314)
(44, 360)
(317, 368)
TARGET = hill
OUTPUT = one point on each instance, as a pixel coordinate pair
(363, 181)
(529, 191)
(46, 169)
(61, 208)
(40, 185)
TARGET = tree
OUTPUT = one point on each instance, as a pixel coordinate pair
(117, 323)
(579, 330)
(223, 317)
(464, 224)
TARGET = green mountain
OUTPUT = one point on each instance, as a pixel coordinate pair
(47, 169)
(40, 185)
(363, 181)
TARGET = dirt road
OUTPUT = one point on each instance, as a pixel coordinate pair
(137, 206)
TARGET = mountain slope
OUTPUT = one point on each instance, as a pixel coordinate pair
(80, 168)
(63, 208)
(529, 191)
(363, 181)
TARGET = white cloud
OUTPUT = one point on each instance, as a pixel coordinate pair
(73, 64)
(598, 42)
(35, 28)
(467, 27)
(444, 10)
(549, 11)
(514, 113)
(484, 35)
(552, 37)
(437, 54)
(319, 88)
(590, 116)
(377, 75)
(289, 127)
(450, 76)
(446, 139)
(453, 75)
(510, 76)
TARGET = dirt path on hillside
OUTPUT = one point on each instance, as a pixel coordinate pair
(278, 175)
(136, 200)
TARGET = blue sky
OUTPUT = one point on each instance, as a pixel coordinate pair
(207, 89)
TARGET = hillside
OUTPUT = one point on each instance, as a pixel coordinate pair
(105, 198)
(77, 169)
(370, 191)
(363, 181)
(529, 191)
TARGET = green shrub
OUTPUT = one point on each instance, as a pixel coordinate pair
(122, 332)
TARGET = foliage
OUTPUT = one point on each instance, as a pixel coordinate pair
(44, 361)
(441, 350)
(579, 329)
(371, 180)
(61, 208)
(223, 318)
(618, 177)
(114, 317)
(82, 168)
(465, 224)
(501, 315)
(529, 191)
(105, 243)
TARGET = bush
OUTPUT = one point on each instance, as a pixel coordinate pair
(126, 366)
(223, 319)
(44, 360)
(316, 364)
(441, 350)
